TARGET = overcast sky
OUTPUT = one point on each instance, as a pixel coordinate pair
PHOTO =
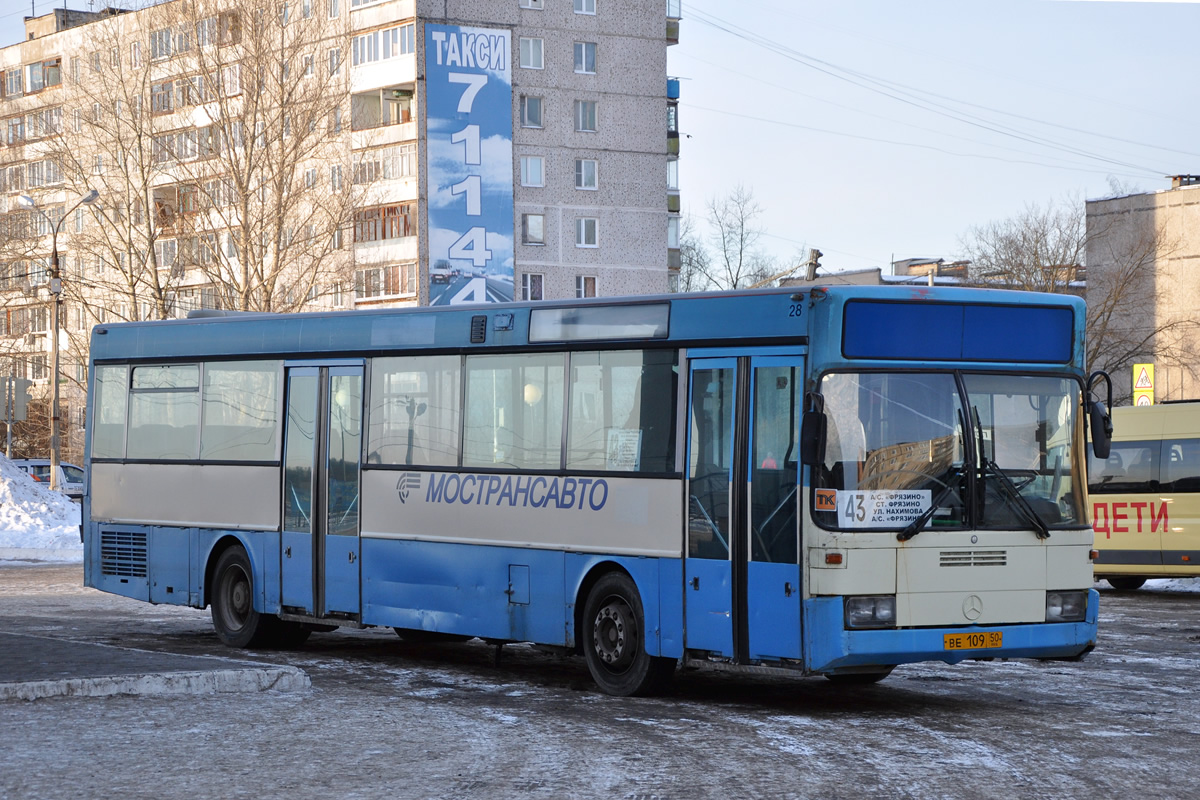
(884, 129)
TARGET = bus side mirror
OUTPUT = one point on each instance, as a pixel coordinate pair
(1098, 417)
(812, 431)
(1102, 429)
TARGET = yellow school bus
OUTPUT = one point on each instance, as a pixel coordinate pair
(1145, 496)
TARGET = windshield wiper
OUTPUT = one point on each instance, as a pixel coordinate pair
(1014, 495)
(914, 527)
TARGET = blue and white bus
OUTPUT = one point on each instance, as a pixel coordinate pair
(834, 481)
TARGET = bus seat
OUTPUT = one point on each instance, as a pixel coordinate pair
(1114, 467)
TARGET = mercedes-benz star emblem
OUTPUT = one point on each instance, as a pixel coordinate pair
(972, 607)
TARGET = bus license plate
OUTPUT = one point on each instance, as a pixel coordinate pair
(980, 640)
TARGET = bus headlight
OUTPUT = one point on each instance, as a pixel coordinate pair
(1066, 606)
(872, 611)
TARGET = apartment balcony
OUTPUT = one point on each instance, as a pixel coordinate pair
(386, 251)
(386, 115)
(674, 12)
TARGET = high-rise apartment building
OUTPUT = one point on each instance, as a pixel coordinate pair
(273, 155)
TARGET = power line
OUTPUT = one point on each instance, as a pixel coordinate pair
(906, 95)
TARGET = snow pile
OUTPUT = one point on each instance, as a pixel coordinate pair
(36, 523)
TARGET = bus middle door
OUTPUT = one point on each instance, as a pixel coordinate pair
(741, 568)
(320, 574)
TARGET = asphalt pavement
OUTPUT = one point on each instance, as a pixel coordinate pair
(36, 665)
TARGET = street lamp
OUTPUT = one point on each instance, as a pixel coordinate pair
(25, 201)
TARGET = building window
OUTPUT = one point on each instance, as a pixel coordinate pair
(160, 45)
(585, 6)
(536, 5)
(387, 222)
(206, 32)
(531, 112)
(585, 173)
(308, 66)
(585, 116)
(334, 8)
(382, 45)
(585, 286)
(673, 174)
(531, 53)
(673, 232)
(335, 61)
(335, 178)
(533, 229)
(585, 57)
(531, 286)
(14, 82)
(310, 178)
(586, 232)
(387, 281)
(387, 163)
(533, 171)
(162, 97)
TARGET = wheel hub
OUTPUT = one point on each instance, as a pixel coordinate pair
(611, 634)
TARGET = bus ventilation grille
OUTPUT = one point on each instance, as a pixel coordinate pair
(123, 553)
(974, 558)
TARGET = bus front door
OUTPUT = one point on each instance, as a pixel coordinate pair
(742, 568)
(322, 450)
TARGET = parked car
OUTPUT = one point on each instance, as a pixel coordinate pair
(70, 477)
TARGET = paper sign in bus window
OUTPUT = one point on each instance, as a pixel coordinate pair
(624, 450)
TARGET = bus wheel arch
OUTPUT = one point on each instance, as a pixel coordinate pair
(611, 631)
(230, 591)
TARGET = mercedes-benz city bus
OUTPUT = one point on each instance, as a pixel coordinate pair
(833, 481)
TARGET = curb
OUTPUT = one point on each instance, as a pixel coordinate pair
(281, 679)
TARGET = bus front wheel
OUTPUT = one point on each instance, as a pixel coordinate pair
(614, 640)
(233, 615)
(1125, 583)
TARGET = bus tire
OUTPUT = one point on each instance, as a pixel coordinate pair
(1125, 583)
(233, 615)
(859, 678)
(614, 640)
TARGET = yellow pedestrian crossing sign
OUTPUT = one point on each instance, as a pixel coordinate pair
(1143, 384)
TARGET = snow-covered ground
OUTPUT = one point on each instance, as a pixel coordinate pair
(36, 524)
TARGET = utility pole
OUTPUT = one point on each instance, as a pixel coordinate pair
(26, 201)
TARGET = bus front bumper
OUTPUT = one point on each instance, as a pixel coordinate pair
(833, 648)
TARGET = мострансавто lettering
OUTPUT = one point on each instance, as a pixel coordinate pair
(521, 490)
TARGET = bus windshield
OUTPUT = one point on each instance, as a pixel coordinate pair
(988, 451)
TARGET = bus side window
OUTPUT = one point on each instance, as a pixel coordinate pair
(1181, 470)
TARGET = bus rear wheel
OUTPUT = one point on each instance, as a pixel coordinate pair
(614, 640)
(1125, 583)
(233, 615)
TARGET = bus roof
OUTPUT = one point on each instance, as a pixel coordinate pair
(750, 317)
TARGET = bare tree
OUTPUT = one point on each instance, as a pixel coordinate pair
(217, 133)
(1037, 250)
(1049, 248)
(736, 260)
(693, 257)
(278, 179)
